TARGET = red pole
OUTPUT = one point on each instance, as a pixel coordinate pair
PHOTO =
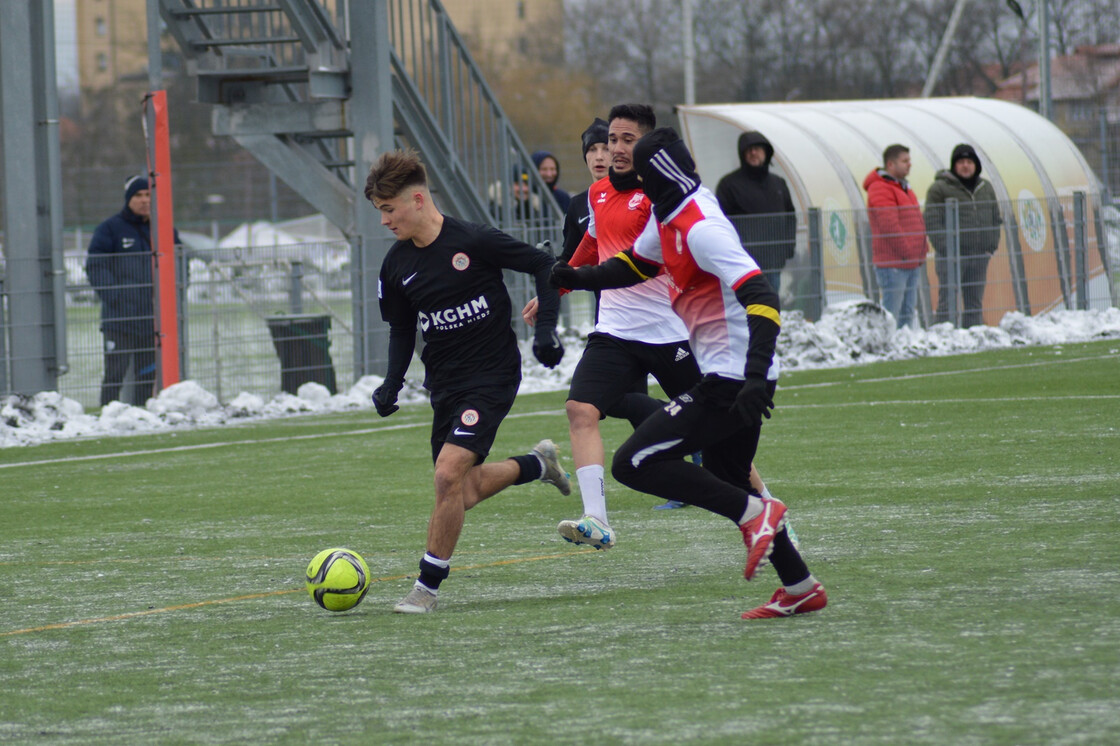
(167, 319)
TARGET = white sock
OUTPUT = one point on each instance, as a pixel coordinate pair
(754, 509)
(592, 488)
(420, 586)
(766, 492)
(800, 589)
(431, 558)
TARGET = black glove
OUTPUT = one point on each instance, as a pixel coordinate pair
(564, 276)
(385, 397)
(547, 348)
(753, 401)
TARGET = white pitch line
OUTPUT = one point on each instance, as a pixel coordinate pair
(928, 402)
(258, 441)
(935, 374)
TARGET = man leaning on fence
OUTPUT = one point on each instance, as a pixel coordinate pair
(119, 267)
(978, 222)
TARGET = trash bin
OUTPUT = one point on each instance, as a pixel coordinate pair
(303, 345)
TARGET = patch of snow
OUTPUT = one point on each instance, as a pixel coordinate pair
(850, 333)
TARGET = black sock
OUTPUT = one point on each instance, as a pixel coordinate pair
(432, 574)
(531, 468)
(787, 561)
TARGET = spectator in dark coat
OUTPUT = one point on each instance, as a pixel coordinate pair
(549, 169)
(752, 190)
(979, 221)
(119, 267)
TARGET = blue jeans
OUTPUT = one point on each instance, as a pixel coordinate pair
(898, 289)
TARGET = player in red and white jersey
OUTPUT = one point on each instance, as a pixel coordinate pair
(713, 280)
(636, 332)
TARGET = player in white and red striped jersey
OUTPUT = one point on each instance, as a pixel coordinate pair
(711, 281)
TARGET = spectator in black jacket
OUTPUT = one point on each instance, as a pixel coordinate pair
(119, 267)
(979, 224)
(752, 190)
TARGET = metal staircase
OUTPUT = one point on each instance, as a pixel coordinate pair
(280, 74)
(317, 89)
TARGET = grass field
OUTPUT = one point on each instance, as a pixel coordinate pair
(963, 513)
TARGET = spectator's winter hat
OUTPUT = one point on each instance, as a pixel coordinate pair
(667, 170)
(596, 133)
(133, 185)
(965, 150)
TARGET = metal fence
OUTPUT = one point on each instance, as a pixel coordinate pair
(265, 319)
(256, 319)
(1058, 253)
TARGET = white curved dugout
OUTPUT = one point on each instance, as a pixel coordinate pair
(825, 149)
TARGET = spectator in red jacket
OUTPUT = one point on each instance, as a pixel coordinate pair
(898, 233)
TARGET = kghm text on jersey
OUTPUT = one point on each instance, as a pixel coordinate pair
(453, 318)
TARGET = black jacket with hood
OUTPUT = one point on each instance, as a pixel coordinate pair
(977, 209)
(771, 240)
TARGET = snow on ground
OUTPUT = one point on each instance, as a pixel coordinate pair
(851, 333)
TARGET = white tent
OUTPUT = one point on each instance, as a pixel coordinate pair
(260, 234)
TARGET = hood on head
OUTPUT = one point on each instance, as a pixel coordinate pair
(668, 172)
(747, 139)
(538, 158)
(964, 150)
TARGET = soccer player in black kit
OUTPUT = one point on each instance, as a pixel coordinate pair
(447, 274)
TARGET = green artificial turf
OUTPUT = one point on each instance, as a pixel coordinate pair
(963, 513)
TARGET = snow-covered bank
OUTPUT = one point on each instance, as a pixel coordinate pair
(849, 334)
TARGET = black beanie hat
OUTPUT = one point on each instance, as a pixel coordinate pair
(668, 172)
(596, 133)
(132, 185)
(964, 150)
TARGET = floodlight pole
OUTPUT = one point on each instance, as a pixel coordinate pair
(1045, 104)
(689, 53)
(943, 48)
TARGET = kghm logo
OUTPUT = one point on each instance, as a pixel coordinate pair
(456, 317)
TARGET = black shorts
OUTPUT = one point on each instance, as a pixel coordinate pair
(699, 420)
(469, 418)
(610, 366)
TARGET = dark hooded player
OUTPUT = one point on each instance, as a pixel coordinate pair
(712, 282)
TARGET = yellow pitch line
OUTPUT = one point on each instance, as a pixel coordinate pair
(253, 596)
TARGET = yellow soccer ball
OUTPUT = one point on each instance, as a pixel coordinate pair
(337, 579)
